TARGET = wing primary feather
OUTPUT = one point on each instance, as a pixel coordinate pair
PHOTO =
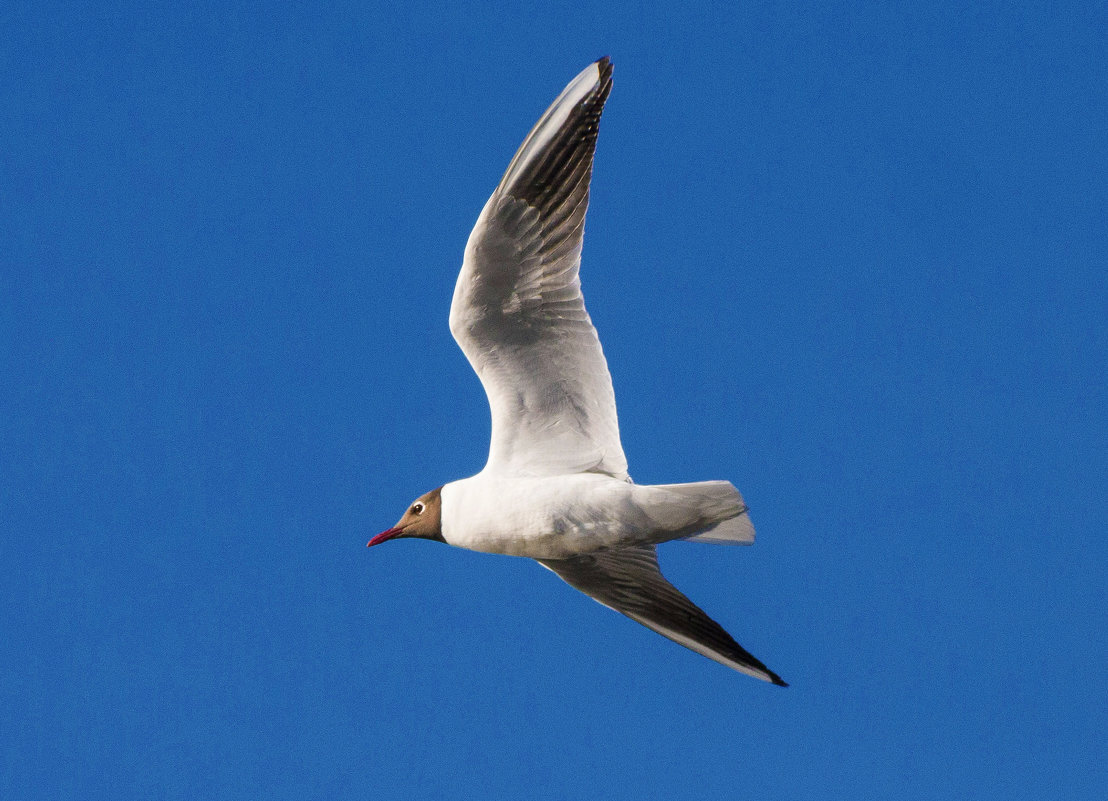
(630, 582)
(575, 141)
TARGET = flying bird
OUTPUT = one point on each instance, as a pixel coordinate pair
(555, 487)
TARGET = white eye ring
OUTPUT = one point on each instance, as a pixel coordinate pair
(417, 508)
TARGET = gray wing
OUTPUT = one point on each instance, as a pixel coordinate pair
(629, 581)
(518, 313)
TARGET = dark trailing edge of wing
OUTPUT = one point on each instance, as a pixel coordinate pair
(629, 582)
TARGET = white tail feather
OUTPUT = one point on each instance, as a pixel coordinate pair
(722, 506)
(736, 531)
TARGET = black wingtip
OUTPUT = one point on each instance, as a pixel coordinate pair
(604, 64)
(780, 682)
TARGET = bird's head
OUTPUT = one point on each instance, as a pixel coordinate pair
(423, 519)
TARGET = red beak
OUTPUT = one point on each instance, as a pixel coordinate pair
(388, 534)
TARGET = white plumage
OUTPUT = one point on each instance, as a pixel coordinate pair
(555, 487)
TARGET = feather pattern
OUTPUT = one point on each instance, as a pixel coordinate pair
(518, 312)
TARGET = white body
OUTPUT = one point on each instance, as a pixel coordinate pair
(562, 516)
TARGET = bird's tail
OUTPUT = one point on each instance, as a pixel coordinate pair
(721, 508)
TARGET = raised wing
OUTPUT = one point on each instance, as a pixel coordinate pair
(629, 581)
(518, 313)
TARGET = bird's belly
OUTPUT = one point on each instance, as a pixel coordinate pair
(530, 517)
(549, 545)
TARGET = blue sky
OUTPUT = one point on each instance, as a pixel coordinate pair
(850, 258)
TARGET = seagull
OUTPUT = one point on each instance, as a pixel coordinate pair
(555, 487)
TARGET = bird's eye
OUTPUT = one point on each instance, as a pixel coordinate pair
(417, 508)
